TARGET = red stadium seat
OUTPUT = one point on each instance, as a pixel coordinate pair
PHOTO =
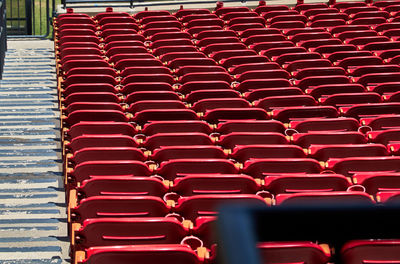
(302, 112)
(364, 110)
(188, 18)
(234, 139)
(378, 182)
(262, 93)
(91, 128)
(328, 89)
(250, 126)
(128, 231)
(292, 252)
(95, 115)
(370, 251)
(384, 137)
(296, 183)
(164, 115)
(176, 139)
(118, 206)
(196, 206)
(166, 153)
(325, 124)
(216, 115)
(121, 186)
(273, 102)
(242, 153)
(150, 95)
(198, 95)
(155, 104)
(324, 197)
(87, 169)
(350, 98)
(174, 168)
(350, 166)
(382, 122)
(326, 152)
(100, 140)
(324, 137)
(214, 103)
(149, 87)
(201, 184)
(156, 127)
(259, 168)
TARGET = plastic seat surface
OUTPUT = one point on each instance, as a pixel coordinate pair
(324, 197)
(251, 138)
(137, 96)
(153, 128)
(300, 183)
(145, 116)
(121, 186)
(129, 231)
(250, 126)
(119, 206)
(87, 169)
(292, 252)
(364, 251)
(156, 104)
(166, 153)
(95, 97)
(95, 115)
(326, 137)
(215, 103)
(325, 124)
(291, 113)
(81, 128)
(378, 182)
(176, 139)
(180, 167)
(201, 184)
(326, 152)
(384, 137)
(206, 205)
(107, 153)
(350, 166)
(83, 140)
(199, 95)
(382, 122)
(220, 114)
(243, 153)
(146, 87)
(260, 168)
(279, 91)
(92, 106)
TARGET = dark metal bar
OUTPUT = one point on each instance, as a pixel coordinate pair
(28, 15)
(3, 35)
(132, 4)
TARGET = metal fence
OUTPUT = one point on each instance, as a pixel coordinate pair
(123, 2)
(137, 3)
(3, 35)
(27, 18)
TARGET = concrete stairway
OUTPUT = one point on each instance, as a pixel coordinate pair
(32, 204)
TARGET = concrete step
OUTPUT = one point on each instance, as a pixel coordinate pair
(32, 199)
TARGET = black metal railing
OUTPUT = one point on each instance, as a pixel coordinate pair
(3, 35)
(136, 3)
(27, 18)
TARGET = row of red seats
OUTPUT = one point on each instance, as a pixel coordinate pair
(374, 124)
(374, 184)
